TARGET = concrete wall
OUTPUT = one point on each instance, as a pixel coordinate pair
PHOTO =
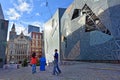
(52, 35)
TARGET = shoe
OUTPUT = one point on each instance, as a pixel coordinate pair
(60, 72)
(34, 72)
(53, 74)
(57, 74)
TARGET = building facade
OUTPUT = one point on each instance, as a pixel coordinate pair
(3, 38)
(36, 43)
(18, 47)
(90, 30)
(32, 28)
(52, 35)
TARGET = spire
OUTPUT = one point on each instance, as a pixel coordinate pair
(12, 34)
(21, 33)
(13, 28)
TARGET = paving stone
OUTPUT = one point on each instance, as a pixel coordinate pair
(72, 71)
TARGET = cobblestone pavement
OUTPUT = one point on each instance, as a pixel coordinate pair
(75, 71)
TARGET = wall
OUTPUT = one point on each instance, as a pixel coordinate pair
(3, 40)
(77, 44)
(52, 35)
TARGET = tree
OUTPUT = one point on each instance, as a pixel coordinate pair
(24, 64)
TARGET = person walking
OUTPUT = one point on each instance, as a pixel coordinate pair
(56, 69)
(33, 62)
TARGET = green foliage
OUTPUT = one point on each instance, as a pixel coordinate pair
(24, 63)
(38, 63)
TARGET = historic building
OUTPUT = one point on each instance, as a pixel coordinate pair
(36, 43)
(18, 47)
(3, 37)
(88, 30)
(52, 34)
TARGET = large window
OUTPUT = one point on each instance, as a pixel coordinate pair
(93, 22)
(76, 14)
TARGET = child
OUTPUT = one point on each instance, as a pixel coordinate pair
(33, 62)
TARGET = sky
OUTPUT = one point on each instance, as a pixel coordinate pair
(33, 12)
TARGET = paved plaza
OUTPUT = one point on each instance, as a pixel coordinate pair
(70, 71)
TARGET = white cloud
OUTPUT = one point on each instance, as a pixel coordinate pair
(23, 6)
(19, 8)
(43, 4)
(37, 14)
(23, 26)
(39, 24)
(19, 28)
(35, 23)
(13, 14)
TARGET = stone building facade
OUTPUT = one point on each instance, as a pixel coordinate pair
(18, 47)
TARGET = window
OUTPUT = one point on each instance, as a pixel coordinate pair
(21, 37)
(93, 22)
(65, 40)
(76, 14)
(37, 36)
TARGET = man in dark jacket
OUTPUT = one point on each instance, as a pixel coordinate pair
(56, 67)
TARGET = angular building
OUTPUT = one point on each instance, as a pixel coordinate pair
(18, 47)
(32, 28)
(3, 37)
(90, 30)
(52, 34)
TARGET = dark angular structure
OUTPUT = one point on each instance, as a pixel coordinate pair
(3, 37)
